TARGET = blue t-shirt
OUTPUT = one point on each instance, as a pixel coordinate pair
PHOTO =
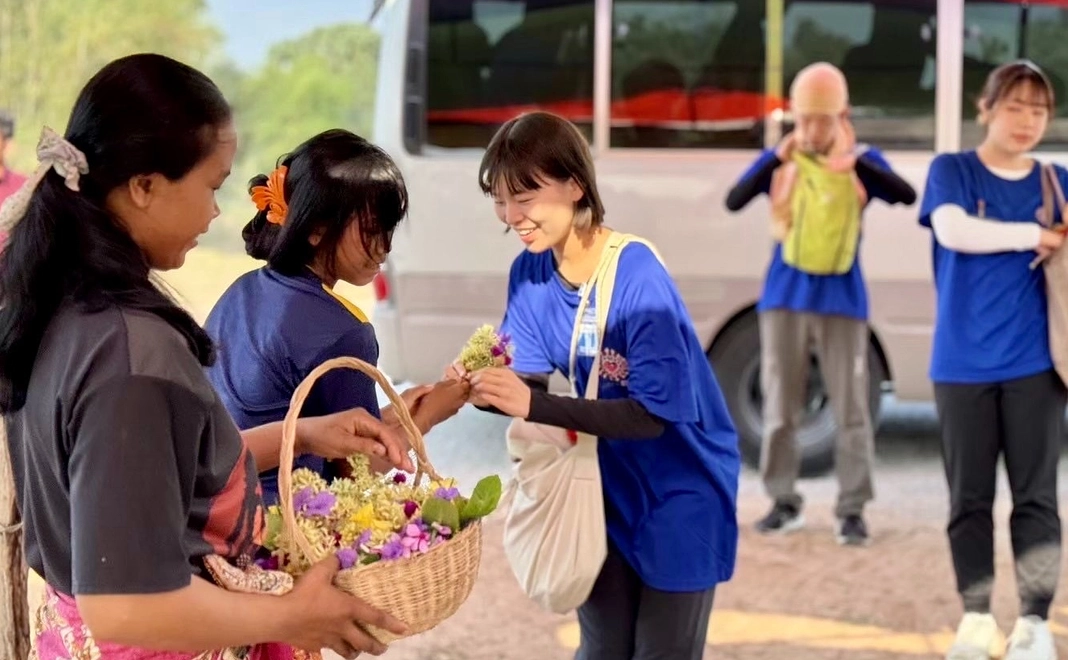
(271, 331)
(670, 501)
(786, 287)
(991, 323)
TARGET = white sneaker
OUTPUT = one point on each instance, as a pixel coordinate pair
(978, 638)
(1031, 639)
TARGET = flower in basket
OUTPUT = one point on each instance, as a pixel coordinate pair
(370, 517)
(485, 349)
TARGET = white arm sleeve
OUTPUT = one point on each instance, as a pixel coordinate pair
(956, 230)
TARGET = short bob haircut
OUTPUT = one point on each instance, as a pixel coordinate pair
(536, 146)
(333, 179)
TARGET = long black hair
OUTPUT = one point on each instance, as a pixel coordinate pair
(333, 179)
(141, 114)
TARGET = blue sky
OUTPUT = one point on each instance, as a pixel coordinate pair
(252, 26)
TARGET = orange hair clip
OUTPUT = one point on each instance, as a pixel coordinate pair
(271, 197)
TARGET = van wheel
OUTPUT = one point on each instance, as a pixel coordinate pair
(735, 358)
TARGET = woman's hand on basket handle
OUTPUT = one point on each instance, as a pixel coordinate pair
(321, 616)
(349, 432)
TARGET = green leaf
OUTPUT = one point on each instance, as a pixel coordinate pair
(484, 499)
(443, 512)
(274, 528)
(369, 559)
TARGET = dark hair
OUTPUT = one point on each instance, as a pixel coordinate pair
(140, 114)
(540, 144)
(1009, 76)
(332, 180)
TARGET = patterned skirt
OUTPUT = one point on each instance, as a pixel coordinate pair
(60, 634)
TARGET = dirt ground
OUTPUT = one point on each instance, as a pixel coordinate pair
(800, 596)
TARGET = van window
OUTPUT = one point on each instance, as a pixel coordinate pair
(489, 60)
(685, 73)
(688, 74)
(999, 32)
(886, 49)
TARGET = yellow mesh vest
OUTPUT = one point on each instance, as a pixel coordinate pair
(825, 223)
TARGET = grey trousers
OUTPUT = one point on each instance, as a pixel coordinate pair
(625, 620)
(841, 346)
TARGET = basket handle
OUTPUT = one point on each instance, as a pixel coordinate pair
(289, 439)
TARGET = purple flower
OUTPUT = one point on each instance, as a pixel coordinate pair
(410, 508)
(400, 478)
(347, 557)
(415, 539)
(447, 493)
(363, 539)
(268, 563)
(393, 549)
(312, 504)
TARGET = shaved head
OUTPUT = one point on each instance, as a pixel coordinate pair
(821, 89)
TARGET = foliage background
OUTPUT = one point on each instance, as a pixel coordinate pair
(322, 79)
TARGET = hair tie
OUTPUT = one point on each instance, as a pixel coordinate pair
(53, 153)
(271, 197)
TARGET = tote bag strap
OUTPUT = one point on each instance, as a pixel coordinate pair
(1054, 183)
(609, 255)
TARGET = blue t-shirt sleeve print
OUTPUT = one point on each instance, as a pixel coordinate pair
(945, 185)
(646, 304)
(529, 356)
(343, 389)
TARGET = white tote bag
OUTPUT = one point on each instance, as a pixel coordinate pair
(554, 535)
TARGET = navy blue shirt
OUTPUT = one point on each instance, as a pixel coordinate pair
(271, 331)
(669, 501)
(786, 287)
(991, 322)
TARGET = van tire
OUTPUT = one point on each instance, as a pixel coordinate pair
(735, 359)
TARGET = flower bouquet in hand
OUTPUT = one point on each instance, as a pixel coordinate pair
(486, 349)
(409, 545)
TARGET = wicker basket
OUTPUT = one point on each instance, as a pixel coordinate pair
(423, 590)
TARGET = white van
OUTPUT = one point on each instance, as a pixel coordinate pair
(677, 98)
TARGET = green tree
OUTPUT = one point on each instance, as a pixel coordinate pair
(324, 79)
(50, 48)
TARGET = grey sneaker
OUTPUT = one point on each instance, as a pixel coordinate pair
(782, 519)
(852, 531)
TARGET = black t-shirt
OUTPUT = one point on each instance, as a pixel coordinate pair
(128, 468)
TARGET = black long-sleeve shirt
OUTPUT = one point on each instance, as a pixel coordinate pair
(610, 418)
(870, 173)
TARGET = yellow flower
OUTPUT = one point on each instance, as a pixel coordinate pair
(364, 518)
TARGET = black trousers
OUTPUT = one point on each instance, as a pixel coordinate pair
(1023, 421)
(625, 620)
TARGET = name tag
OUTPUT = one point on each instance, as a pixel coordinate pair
(587, 340)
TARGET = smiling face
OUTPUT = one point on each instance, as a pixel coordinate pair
(543, 217)
(539, 171)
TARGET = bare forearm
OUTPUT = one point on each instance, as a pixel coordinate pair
(265, 443)
(199, 617)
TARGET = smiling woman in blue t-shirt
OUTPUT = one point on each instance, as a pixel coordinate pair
(326, 214)
(668, 450)
(995, 386)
